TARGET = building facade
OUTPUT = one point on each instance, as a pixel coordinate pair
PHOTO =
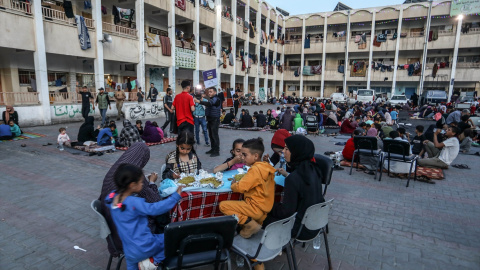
(45, 55)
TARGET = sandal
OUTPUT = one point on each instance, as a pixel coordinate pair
(461, 166)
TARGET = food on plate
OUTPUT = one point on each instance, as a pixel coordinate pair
(187, 180)
(211, 180)
(239, 176)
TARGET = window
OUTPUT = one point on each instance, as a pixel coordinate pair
(57, 78)
(293, 88)
(314, 88)
(157, 31)
(24, 76)
(341, 62)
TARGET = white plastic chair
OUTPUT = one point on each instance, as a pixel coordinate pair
(164, 166)
(105, 232)
(266, 244)
(315, 218)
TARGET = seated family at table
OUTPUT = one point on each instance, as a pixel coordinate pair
(303, 188)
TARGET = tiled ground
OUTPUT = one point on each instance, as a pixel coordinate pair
(45, 210)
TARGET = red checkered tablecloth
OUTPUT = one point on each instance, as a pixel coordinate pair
(195, 205)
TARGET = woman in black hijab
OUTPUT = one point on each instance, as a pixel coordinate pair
(303, 187)
(87, 131)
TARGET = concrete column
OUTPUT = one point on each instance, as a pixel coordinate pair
(425, 47)
(140, 23)
(98, 61)
(257, 47)
(455, 56)
(302, 58)
(370, 53)
(246, 46)
(40, 62)
(267, 52)
(275, 46)
(397, 49)
(72, 83)
(234, 41)
(282, 59)
(196, 32)
(217, 38)
(171, 35)
(347, 41)
(324, 55)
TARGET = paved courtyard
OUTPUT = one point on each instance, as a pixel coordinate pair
(45, 210)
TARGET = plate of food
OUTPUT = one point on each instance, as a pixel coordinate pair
(211, 182)
(187, 181)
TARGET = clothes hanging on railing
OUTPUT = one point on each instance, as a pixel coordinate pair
(87, 5)
(83, 35)
(357, 38)
(252, 30)
(307, 42)
(67, 6)
(116, 15)
(341, 69)
(376, 43)
(317, 69)
(394, 36)
(434, 71)
(166, 46)
(381, 37)
(104, 10)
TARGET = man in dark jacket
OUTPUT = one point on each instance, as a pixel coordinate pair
(261, 119)
(153, 93)
(212, 112)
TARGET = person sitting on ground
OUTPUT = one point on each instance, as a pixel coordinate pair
(355, 123)
(222, 116)
(467, 140)
(456, 116)
(362, 128)
(286, 120)
(380, 133)
(150, 133)
(417, 141)
(160, 131)
(303, 187)
(14, 128)
(105, 136)
(349, 147)
(257, 187)
(87, 131)
(229, 117)
(404, 135)
(332, 119)
(463, 124)
(139, 126)
(184, 159)
(131, 214)
(371, 130)
(247, 120)
(10, 114)
(235, 161)
(298, 122)
(347, 127)
(5, 132)
(63, 138)
(115, 132)
(388, 119)
(261, 119)
(270, 116)
(441, 155)
(129, 135)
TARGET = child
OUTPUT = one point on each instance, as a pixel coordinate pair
(183, 159)
(139, 127)
(63, 138)
(257, 187)
(349, 148)
(5, 132)
(224, 112)
(14, 128)
(115, 132)
(394, 115)
(160, 131)
(130, 215)
(105, 136)
(417, 141)
(235, 161)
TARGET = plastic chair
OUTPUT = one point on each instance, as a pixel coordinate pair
(199, 242)
(399, 151)
(266, 244)
(315, 218)
(105, 232)
(311, 124)
(326, 164)
(366, 146)
(164, 166)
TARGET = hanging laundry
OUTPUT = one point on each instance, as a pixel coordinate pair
(116, 15)
(153, 40)
(83, 35)
(376, 43)
(434, 71)
(104, 10)
(442, 64)
(341, 69)
(67, 6)
(252, 31)
(430, 36)
(317, 69)
(403, 35)
(435, 35)
(405, 66)
(394, 36)
(87, 4)
(166, 46)
(307, 71)
(181, 4)
(231, 59)
(358, 38)
(381, 37)
(341, 33)
(307, 42)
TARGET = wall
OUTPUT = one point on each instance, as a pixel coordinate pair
(57, 35)
(23, 39)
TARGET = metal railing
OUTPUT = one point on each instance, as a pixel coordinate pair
(17, 6)
(19, 98)
(416, 34)
(117, 29)
(293, 41)
(446, 32)
(57, 15)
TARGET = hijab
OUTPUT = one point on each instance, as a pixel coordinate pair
(85, 133)
(301, 160)
(7, 113)
(129, 134)
(333, 117)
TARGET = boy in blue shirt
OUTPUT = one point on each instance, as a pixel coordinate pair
(394, 115)
(105, 136)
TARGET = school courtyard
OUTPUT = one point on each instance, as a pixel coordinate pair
(46, 195)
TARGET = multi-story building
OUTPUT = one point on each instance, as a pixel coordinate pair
(42, 63)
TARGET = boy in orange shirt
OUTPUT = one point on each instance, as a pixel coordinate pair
(258, 188)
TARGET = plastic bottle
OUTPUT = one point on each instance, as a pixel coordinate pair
(240, 261)
(113, 141)
(60, 146)
(317, 242)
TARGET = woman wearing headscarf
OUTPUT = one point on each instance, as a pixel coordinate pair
(278, 144)
(286, 122)
(87, 131)
(138, 155)
(247, 121)
(129, 135)
(388, 119)
(10, 114)
(332, 119)
(303, 187)
(346, 127)
(150, 133)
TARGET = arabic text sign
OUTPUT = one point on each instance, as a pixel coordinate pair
(465, 7)
(210, 78)
(185, 58)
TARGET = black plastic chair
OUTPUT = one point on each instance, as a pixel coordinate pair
(399, 151)
(366, 146)
(327, 169)
(105, 232)
(199, 242)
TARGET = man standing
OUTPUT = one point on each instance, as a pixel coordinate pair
(184, 106)
(199, 119)
(103, 102)
(87, 98)
(221, 97)
(213, 120)
(119, 99)
(153, 93)
(236, 102)
(140, 95)
(167, 107)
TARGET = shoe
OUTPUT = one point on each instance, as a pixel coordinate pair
(207, 144)
(209, 152)
(259, 266)
(214, 154)
(250, 229)
(147, 264)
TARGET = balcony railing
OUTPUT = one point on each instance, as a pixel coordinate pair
(208, 9)
(56, 15)
(23, 7)
(446, 32)
(186, 45)
(19, 98)
(472, 31)
(336, 39)
(117, 29)
(293, 41)
(416, 34)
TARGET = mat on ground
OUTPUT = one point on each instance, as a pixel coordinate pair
(164, 140)
(250, 129)
(24, 136)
